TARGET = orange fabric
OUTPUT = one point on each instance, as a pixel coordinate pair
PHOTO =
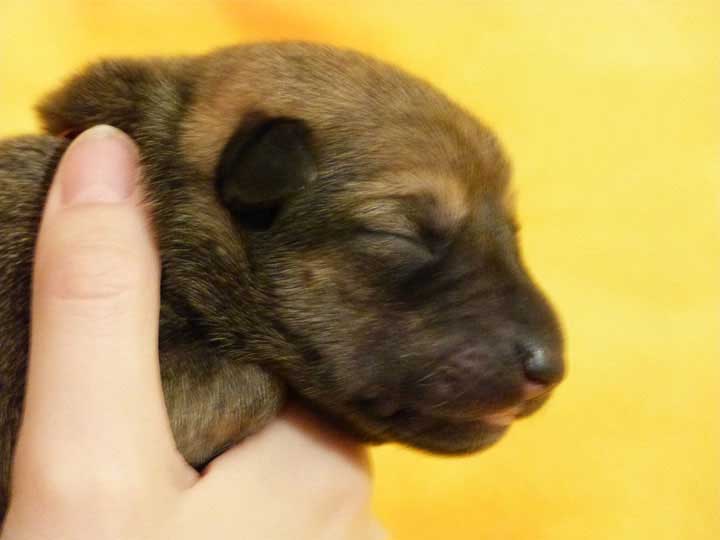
(610, 113)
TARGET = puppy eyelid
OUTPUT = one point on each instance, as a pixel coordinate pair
(405, 235)
(410, 237)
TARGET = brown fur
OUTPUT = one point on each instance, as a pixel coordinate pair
(388, 292)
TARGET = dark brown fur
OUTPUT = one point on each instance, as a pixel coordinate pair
(386, 291)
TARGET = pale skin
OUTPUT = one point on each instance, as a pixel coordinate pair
(95, 457)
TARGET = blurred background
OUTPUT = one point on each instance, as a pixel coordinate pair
(610, 112)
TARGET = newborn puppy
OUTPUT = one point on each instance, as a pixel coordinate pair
(329, 226)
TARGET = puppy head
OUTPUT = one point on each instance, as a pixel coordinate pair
(376, 221)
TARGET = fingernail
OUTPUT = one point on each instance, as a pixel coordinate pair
(100, 166)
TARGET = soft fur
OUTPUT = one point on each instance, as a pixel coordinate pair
(329, 226)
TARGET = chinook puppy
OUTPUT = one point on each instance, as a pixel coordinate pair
(328, 225)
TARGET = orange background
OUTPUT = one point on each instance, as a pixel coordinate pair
(610, 112)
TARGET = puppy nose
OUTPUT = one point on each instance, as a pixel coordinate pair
(542, 366)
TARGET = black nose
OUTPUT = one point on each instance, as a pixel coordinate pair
(542, 365)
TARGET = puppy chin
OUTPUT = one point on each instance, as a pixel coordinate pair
(439, 434)
(451, 438)
(432, 434)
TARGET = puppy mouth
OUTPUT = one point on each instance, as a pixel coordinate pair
(448, 434)
(502, 418)
(535, 395)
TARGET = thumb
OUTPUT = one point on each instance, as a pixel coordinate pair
(94, 403)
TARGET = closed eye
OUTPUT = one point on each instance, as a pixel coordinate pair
(409, 238)
(402, 251)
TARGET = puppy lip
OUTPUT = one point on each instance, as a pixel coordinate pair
(426, 429)
(502, 418)
(534, 390)
(437, 433)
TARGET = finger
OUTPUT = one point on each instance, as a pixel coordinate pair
(94, 394)
(297, 475)
(296, 436)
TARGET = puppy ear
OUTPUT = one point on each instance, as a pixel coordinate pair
(133, 95)
(265, 162)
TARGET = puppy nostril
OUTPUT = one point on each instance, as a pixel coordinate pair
(538, 364)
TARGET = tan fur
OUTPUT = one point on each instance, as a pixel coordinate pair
(446, 195)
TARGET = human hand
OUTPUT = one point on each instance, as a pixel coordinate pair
(95, 457)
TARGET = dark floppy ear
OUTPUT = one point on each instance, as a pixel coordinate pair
(141, 97)
(265, 162)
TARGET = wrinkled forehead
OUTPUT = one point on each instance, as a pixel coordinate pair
(443, 200)
(446, 198)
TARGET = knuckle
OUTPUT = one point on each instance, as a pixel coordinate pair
(94, 270)
(79, 264)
